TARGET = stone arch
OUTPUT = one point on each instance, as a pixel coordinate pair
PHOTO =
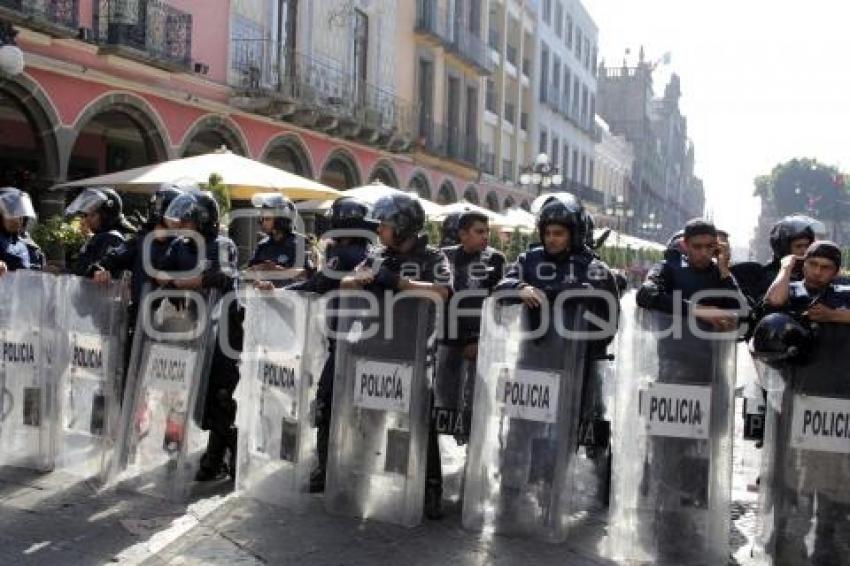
(140, 113)
(492, 201)
(509, 203)
(471, 194)
(525, 206)
(209, 133)
(341, 171)
(384, 172)
(447, 193)
(26, 98)
(288, 152)
(419, 182)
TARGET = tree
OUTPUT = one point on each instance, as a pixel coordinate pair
(804, 186)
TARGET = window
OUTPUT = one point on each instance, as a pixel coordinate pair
(544, 140)
(583, 169)
(594, 61)
(575, 165)
(490, 96)
(544, 75)
(590, 166)
(475, 17)
(592, 114)
(569, 32)
(361, 54)
(586, 53)
(575, 98)
(567, 79)
(584, 105)
(565, 166)
(547, 11)
(556, 73)
(559, 18)
(556, 151)
(578, 43)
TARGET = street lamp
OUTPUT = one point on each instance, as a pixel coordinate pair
(11, 56)
(620, 211)
(651, 227)
(541, 174)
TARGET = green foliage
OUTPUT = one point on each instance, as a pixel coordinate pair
(804, 186)
(221, 192)
(433, 231)
(55, 233)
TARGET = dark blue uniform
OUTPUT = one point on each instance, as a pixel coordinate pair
(801, 298)
(477, 271)
(15, 253)
(218, 267)
(340, 259)
(282, 252)
(129, 257)
(95, 248)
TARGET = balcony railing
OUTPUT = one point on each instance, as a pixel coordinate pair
(507, 169)
(441, 24)
(511, 54)
(510, 113)
(553, 97)
(271, 79)
(59, 16)
(149, 30)
(494, 40)
(449, 142)
(488, 161)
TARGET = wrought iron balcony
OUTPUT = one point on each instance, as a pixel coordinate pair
(440, 24)
(149, 30)
(488, 160)
(449, 142)
(60, 17)
(270, 79)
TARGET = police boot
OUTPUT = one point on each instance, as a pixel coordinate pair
(317, 475)
(212, 465)
(231, 453)
(433, 499)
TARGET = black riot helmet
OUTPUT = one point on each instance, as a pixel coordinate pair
(281, 208)
(780, 339)
(160, 200)
(449, 230)
(789, 229)
(565, 210)
(351, 213)
(401, 211)
(15, 203)
(199, 207)
(102, 200)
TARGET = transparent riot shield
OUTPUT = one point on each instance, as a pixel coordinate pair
(521, 463)
(27, 410)
(673, 436)
(91, 323)
(453, 385)
(161, 440)
(282, 359)
(379, 428)
(805, 479)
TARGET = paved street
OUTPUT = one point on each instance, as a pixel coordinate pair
(52, 519)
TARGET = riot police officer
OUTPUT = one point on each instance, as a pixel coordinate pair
(405, 262)
(279, 250)
(129, 255)
(199, 213)
(350, 219)
(102, 220)
(449, 230)
(17, 250)
(563, 262)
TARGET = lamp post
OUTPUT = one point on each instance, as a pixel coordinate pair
(651, 227)
(542, 175)
(11, 56)
(619, 210)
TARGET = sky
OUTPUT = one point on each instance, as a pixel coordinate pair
(763, 81)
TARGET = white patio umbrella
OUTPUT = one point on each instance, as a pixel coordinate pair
(495, 218)
(517, 217)
(372, 192)
(244, 177)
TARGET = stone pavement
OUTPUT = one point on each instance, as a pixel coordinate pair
(56, 519)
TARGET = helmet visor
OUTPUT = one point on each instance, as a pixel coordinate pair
(181, 208)
(88, 201)
(17, 204)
